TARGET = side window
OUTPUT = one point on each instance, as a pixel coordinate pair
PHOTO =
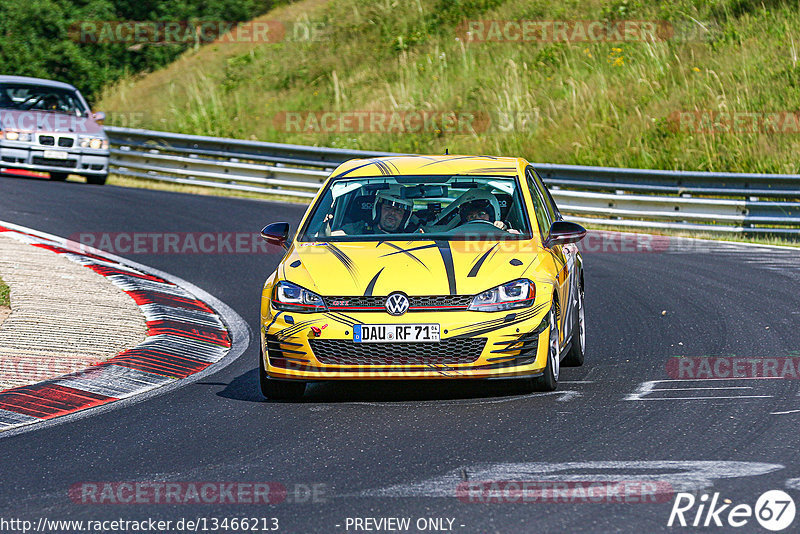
(542, 215)
(549, 203)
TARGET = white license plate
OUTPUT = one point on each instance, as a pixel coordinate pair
(396, 333)
(55, 154)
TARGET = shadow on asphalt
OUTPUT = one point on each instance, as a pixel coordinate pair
(245, 388)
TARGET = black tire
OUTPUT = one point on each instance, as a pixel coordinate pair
(278, 389)
(575, 356)
(548, 381)
(96, 179)
(58, 176)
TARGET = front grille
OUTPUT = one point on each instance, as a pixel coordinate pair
(446, 352)
(66, 163)
(66, 142)
(47, 140)
(429, 303)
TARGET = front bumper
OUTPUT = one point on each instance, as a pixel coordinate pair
(473, 345)
(17, 155)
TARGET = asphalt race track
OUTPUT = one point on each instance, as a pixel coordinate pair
(400, 449)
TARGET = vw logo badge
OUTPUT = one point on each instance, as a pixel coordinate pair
(397, 304)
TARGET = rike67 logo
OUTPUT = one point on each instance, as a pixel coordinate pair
(774, 510)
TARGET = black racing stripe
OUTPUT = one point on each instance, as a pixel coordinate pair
(339, 320)
(456, 158)
(343, 319)
(407, 252)
(354, 321)
(504, 320)
(273, 321)
(344, 258)
(345, 173)
(522, 317)
(493, 169)
(447, 258)
(287, 332)
(371, 285)
(478, 264)
(383, 167)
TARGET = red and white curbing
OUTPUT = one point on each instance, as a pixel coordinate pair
(184, 337)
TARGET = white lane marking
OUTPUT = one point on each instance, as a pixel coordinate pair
(782, 413)
(646, 388)
(700, 389)
(793, 483)
(679, 475)
(564, 396)
(707, 398)
(736, 378)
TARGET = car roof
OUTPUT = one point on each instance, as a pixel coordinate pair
(422, 165)
(36, 81)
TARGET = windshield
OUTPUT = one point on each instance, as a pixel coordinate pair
(418, 207)
(27, 97)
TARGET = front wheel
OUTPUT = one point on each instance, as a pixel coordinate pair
(58, 176)
(549, 379)
(96, 179)
(278, 389)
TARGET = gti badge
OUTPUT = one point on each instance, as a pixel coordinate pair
(397, 304)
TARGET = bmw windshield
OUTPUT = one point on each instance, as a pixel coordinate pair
(30, 97)
(418, 207)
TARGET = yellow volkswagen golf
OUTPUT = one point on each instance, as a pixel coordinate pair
(424, 267)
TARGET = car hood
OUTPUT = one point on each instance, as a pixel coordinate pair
(48, 122)
(413, 267)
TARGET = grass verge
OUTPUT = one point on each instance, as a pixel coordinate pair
(575, 102)
(5, 295)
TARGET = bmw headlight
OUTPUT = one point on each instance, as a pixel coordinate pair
(290, 297)
(16, 136)
(517, 294)
(96, 143)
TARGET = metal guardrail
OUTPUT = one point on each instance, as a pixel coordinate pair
(715, 202)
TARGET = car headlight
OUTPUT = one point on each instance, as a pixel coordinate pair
(96, 143)
(291, 297)
(16, 136)
(517, 294)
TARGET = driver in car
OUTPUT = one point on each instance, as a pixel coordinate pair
(480, 205)
(391, 214)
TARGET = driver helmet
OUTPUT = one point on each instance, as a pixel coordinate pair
(479, 200)
(392, 198)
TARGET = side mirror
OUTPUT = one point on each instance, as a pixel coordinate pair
(563, 232)
(276, 234)
(99, 117)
